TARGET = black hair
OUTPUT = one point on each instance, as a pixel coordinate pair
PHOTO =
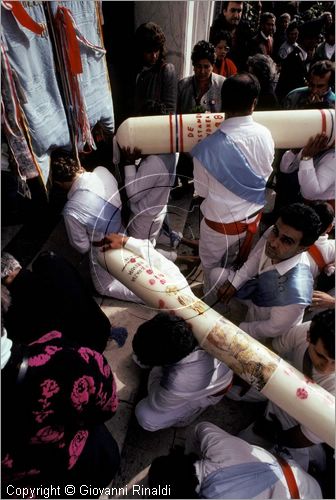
(323, 327)
(321, 68)
(176, 470)
(150, 37)
(302, 218)
(293, 25)
(266, 15)
(164, 339)
(239, 92)
(325, 213)
(218, 36)
(203, 50)
(64, 167)
(226, 4)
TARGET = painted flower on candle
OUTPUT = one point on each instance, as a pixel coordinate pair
(152, 282)
(163, 282)
(132, 260)
(301, 393)
(149, 271)
(161, 304)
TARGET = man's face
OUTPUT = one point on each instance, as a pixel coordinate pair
(319, 85)
(268, 27)
(233, 13)
(284, 22)
(320, 358)
(283, 242)
(203, 69)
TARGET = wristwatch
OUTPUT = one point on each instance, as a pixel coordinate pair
(306, 158)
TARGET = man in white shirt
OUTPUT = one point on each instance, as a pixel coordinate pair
(231, 168)
(309, 347)
(93, 209)
(229, 467)
(184, 379)
(276, 280)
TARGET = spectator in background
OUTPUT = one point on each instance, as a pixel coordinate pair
(294, 69)
(55, 398)
(292, 35)
(223, 65)
(326, 49)
(197, 94)
(156, 79)
(262, 42)
(264, 68)
(279, 36)
(318, 93)
(230, 20)
(202, 91)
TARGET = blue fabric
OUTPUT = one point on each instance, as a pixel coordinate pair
(96, 214)
(119, 334)
(94, 81)
(240, 481)
(227, 164)
(270, 289)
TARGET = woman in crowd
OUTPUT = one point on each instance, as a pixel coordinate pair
(156, 79)
(55, 399)
(223, 65)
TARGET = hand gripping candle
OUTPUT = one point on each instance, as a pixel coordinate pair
(180, 133)
(304, 400)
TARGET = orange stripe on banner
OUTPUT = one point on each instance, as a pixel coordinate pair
(74, 51)
(324, 121)
(24, 18)
(171, 133)
(181, 134)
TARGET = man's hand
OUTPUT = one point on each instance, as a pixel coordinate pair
(129, 157)
(322, 300)
(112, 241)
(226, 292)
(315, 145)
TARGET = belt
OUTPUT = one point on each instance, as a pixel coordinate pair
(289, 476)
(239, 227)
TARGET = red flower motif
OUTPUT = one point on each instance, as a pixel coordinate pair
(132, 260)
(149, 271)
(82, 388)
(163, 282)
(161, 304)
(301, 393)
(152, 282)
(76, 447)
(49, 388)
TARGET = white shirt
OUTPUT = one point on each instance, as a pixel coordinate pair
(316, 181)
(220, 449)
(286, 48)
(293, 345)
(264, 322)
(327, 249)
(256, 143)
(101, 182)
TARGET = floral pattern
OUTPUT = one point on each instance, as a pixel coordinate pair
(65, 392)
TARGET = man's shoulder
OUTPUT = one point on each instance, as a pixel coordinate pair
(185, 82)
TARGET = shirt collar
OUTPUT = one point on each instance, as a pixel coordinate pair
(285, 265)
(264, 36)
(236, 121)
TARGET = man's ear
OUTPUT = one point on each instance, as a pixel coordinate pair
(254, 104)
(308, 337)
(302, 248)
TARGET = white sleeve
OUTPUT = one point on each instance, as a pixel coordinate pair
(77, 234)
(315, 181)
(289, 162)
(201, 180)
(281, 320)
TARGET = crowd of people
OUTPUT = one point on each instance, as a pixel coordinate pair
(280, 264)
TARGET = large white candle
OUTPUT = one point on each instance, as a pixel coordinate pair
(307, 402)
(180, 133)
